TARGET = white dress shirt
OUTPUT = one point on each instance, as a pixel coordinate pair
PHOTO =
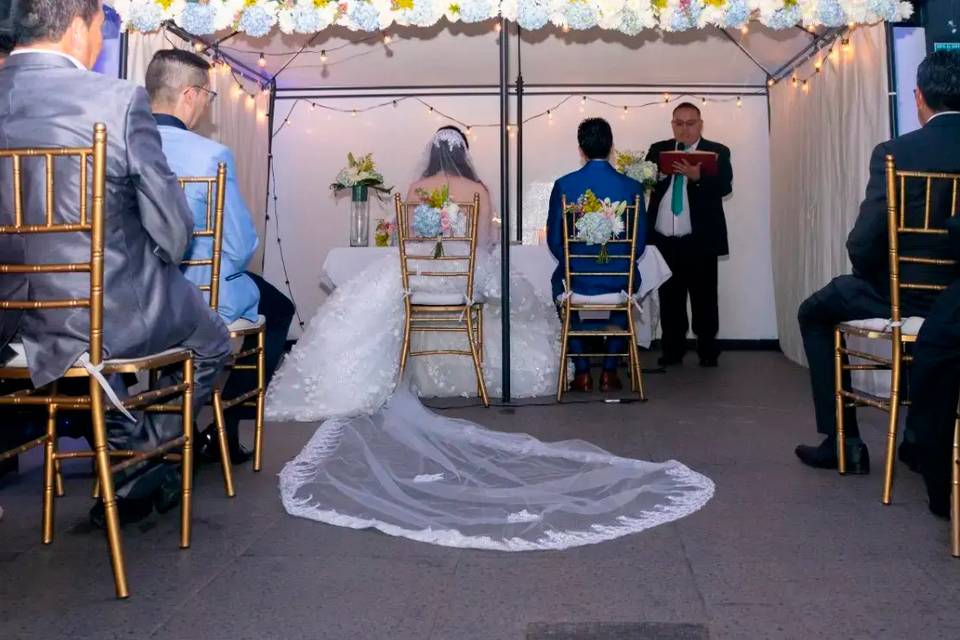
(668, 223)
(69, 57)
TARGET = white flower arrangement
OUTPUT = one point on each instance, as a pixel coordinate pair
(633, 165)
(257, 18)
(597, 221)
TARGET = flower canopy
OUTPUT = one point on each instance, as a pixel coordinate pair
(257, 18)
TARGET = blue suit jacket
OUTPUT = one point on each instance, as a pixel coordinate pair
(191, 155)
(605, 182)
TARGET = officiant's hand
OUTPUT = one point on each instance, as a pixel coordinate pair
(690, 171)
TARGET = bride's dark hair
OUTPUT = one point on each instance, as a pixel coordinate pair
(448, 154)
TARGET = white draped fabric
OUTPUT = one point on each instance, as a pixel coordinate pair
(233, 120)
(820, 145)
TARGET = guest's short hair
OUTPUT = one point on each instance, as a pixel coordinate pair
(48, 20)
(173, 70)
(595, 138)
(687, 105)
(938, 78)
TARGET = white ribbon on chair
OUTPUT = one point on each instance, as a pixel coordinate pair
(634, 299)
(97, 372)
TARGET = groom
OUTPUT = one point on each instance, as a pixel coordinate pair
(596, 142)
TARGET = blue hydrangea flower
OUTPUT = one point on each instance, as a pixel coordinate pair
(831, 14)
(783, 18)
(426, 222)
(886, 9)
(630, 23)
(422, 14)
(594, 228)
(307, 19)
(580, 15)
(147, 17)
(737, 13)
(532, 15)
(198, 19)
(256, 22)
(365, 16)
(476, 10)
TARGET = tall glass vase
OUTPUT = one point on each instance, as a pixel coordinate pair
(359, 217)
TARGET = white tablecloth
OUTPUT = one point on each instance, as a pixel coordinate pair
(534, 262)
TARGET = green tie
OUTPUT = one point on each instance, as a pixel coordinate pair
(676, 204)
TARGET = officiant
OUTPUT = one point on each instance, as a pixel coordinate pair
(687, 224)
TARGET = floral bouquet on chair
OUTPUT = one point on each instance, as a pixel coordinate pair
(597, 221)
(438, 217)
(632, 165)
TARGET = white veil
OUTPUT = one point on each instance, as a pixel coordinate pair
(447, 153)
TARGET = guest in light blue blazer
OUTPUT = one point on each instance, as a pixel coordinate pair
(595, 139)
(179, 87)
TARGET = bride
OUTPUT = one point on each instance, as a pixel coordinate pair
(347, 360)
(382, 460)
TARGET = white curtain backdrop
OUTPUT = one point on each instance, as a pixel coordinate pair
(820, 145)
(233, 120)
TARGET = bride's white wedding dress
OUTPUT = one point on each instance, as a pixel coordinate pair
(383, 460)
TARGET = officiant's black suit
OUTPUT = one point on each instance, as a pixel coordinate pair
(866, 292)
(692, 258)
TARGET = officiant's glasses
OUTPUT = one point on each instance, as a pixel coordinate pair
(686, 123)
(210, 93)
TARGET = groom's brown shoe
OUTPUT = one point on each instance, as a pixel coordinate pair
(582, 382)
(610, 381)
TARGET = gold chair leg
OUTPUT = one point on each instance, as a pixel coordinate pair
(476, 360)
(105, 483)
(641, 392)
(955, 493)
(405, 349)
(261, 398)
(186, 463)
(58, 479)
(479, 341)
(225, 462)
(838, 400)
(892, 423)
(564, 337)
(49, 473)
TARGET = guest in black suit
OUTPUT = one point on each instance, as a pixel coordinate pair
(866, 293)
(687, 224)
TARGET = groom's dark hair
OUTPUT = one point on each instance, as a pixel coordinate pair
(595, 138)
(938, 78)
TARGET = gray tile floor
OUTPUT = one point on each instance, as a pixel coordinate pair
(781, 551)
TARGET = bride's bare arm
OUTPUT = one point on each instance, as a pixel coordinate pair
(487, 231)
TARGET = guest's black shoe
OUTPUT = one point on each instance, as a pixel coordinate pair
(610, 381)
(824, 456)
(582, 382)
(667, 361)
(130, 510)
(709, 361)
(907, 454)
(208, 448)
(167, 496)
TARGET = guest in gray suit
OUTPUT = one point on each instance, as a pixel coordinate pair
(49, 98)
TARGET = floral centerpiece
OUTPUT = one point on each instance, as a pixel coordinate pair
(597, 221)
(438, 217)
(633, 165)
(359, 176)
(384, 232)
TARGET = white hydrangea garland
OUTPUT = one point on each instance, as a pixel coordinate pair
(257, 18)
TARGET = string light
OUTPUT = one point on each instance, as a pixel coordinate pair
(353, 113)
(313, 106)
(497, 27)
(739, 102)
(845, 45)
(236, 91)
(387, 39)
(549, 115)
(745, 29)
(199, 47)
(770, 82)
(703, 101)
(566, 28)
(251, 101)
(265, 90)
(806, 87)
(793, 80)
(818, 64)
(323, 55)
(262, 62)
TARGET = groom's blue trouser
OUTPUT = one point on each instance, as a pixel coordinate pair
(614, 344)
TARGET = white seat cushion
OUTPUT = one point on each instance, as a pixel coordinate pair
(242, 324)
(911, 326)
(19, 360)
(602, 298)
(437, 299)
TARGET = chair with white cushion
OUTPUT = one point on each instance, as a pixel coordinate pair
(87, 219)
(621, 265)
(903, 221)
(249, 359)
(451, 309)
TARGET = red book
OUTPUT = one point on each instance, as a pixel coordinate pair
(706, 159)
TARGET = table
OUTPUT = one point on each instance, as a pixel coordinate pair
(535, 263)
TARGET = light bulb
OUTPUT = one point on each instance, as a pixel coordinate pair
(566, 28)
(818, 64)
(387, 39)
(549, 114)
(793, 80)
(770, 82)
(313, 106)
(262, 62)
(353, 113)
(666, 97)
(745, 29)
(497, 27)
(251, 101)
(199, 47)
(739, 102)
(323, 55)
(806, 87)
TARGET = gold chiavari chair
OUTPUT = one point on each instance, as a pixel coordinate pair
(88, 219)
(214, 188)
(447, 312)
(955, 492)
(625, 266)
(899, 332)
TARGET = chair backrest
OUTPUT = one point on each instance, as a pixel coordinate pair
(919, 252)
(417, 260)
(87, 219)
(622, 263)
(214, 189)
